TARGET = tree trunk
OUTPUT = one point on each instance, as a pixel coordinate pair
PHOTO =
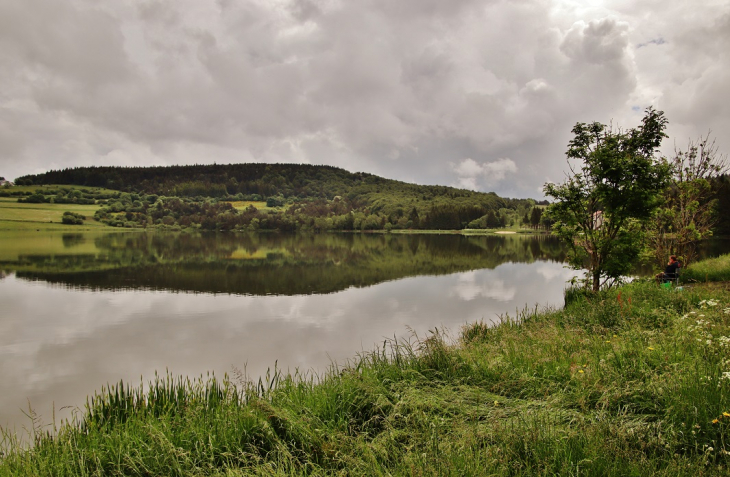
(596, 282)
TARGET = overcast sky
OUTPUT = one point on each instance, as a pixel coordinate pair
(480, 94)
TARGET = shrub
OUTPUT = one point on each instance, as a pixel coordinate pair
(72, 218)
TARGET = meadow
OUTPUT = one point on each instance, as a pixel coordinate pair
(258, 204)
(28, 217)
(632, 381)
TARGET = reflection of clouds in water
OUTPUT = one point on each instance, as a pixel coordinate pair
(552, 273)
(60, 345)
(469, 289)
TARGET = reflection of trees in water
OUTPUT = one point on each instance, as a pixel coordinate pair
(72, 240)
(278, 263)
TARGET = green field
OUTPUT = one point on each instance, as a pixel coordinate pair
(17, 216)
(259, 205)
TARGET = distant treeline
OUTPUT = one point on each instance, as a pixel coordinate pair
(297, 197)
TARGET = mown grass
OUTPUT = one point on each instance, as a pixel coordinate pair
(19, 216)
(245, 204)
(634, 381)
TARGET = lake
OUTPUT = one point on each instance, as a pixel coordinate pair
(82, 310)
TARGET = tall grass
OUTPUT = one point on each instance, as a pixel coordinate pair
(710, 270)
(635, 381)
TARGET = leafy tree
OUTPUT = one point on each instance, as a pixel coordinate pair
(413, 218)
(601, 207)
(546, 222)
(492, 220)
(687, 215)
(535, 216)
(275, 201)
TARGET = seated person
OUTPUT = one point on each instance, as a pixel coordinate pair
(670, 273)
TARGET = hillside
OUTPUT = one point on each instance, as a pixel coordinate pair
(300, 190)
(262, 180)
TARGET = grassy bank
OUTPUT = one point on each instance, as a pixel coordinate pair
(634, 381)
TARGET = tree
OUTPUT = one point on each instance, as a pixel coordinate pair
(687, 215)
(413, 218)
(601, 207)
(492, 221)
(535, 217)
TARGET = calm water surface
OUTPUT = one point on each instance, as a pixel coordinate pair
(82, 310)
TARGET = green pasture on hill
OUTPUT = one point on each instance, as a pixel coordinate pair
(17, 216)
(241, 205)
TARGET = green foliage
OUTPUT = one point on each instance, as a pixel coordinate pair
(13, 192)
(275, 201)
(63, 195)
(601, 208)
(342, 200)
(72, 218)
(34, 199)
(688, 213)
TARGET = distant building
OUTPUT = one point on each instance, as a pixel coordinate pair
(3, 182)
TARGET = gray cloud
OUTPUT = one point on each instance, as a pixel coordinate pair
(401, 89)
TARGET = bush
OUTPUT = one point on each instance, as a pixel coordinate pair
(72, 218)
(34, 199)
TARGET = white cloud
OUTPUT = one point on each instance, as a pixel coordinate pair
(469, 288)
(401, 89)
(471, 174)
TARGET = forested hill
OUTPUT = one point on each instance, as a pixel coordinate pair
(261, 180)
(305, 189)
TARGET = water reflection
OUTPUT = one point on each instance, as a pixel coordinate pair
(82, 310)
(265, 264)
(59, 345)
